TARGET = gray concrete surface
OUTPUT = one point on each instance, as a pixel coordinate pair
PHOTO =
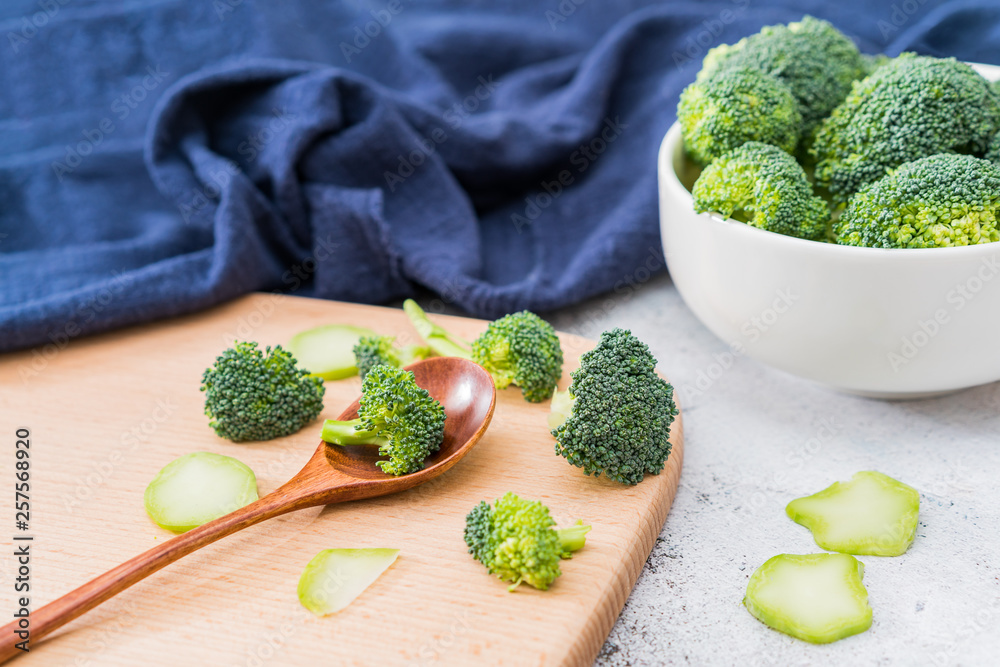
(756, 438)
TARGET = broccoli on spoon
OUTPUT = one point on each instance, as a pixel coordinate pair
(396, 414)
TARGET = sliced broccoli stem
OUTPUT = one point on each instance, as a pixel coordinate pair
(411, 353)
(350, 433)
(573, 538)
(817, 598)
(561, 408)
(501, 367)
(437, 338)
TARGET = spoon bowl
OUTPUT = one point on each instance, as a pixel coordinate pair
(333, 474)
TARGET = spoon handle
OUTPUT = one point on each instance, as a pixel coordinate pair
(75, 603)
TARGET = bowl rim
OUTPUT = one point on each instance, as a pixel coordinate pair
(672, 183)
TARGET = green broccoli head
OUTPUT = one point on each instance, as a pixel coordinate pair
(911, 107)
(522, 349)
(515, 539)
(259, 395)
(938, 201)
(373, 350)
(397, 415)
(815, 60)
(733, 106)
(765, 187)
(621, 412)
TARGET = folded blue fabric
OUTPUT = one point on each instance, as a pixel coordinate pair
(162, 156)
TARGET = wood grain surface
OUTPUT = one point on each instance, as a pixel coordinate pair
(106, 413)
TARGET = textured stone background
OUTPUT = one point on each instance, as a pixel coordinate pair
(757, 438)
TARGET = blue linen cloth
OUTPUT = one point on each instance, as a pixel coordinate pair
(161, 156)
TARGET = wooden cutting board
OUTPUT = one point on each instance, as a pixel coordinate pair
(107, 412)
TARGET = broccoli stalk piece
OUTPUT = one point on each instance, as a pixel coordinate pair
(765, 187)
(909, 108)
(437, 338)
(516, 540)
(255, 395)
(733, 106)
(871, 515)
(942, 200)
(619, 411)
(572, 539)
(373, 350)
(817, 598)
(520, 349)
(395, 414)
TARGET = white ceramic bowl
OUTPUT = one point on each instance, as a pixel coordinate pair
(874, 322)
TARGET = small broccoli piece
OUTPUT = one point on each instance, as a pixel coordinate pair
(815, 60)
(520, 349)
(325, 351)
(394, 413)
(912, 107)
(373, 350)
(818, 598)
(620, 414)
(871, 515)
(334, 578)
(437, 338)
(516, 541)
(943, 200)
(765, 187)
(733, 106)
(255, 395)
(197, 488)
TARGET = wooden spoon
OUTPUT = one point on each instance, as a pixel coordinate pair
(334, 474)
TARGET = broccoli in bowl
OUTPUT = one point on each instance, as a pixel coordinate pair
(938, 201)
(860, 172)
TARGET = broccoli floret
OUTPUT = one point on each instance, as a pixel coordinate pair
(912, 107)
(815, 60)
(255, 395)
(516, 541)
(373, 350)
(765, 187)
(521, 349)
(620, 412)
(724, 111)
(396, 414)
(943, 200)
